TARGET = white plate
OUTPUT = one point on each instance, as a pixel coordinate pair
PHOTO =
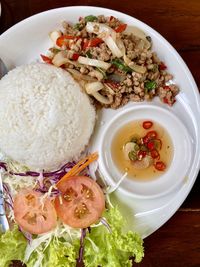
(25, 41)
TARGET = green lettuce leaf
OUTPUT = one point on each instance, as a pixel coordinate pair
(58, 253)
(12, 247)
(102, 248)
(106, 249)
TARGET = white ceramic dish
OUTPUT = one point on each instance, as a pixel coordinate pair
(23, 43)
(181, 155)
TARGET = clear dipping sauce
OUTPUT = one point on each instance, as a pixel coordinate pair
(136, 129)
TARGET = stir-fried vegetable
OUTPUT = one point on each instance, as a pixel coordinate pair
(121, 28)
(94, 62)
(120, 65)
(99, 47)
(92, 42)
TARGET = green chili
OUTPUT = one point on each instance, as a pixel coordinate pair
(120, 65)
(150, 85)
(132, 155)
(90, 18)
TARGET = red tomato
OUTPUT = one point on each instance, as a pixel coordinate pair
(121, 28)
(92, 42)
(160, 166)
(147, 124)
(33, 214)
(46, 59)
(152, 135)
(155, 154)
(82, 202)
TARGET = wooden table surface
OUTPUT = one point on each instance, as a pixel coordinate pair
(177, 243)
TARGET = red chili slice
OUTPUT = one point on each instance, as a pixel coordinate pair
(64, 39)
(152, 135)
(46, 59)
(147, 124)
(162, 66)
(145, 139)
(160, 166)
(92, 42)
(155, 154)
(75, 56)
(151, 145)
(111, 18)
(166, 87)
(142, 154)
(121, 28)
(112, 84)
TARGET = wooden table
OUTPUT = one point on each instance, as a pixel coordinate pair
(177, 243)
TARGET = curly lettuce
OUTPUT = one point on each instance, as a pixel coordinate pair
(101, 247)
(115, 248)
(12, 247)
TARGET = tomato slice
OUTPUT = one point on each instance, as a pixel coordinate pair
(82, 202)
(160, 166)
(33, 214)
(147, 124)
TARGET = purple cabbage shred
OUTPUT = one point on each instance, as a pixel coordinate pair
(106, 224)
(79, 262)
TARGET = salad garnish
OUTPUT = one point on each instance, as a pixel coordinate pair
(69, 193)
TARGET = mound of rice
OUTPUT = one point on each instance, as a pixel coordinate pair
(45, 119)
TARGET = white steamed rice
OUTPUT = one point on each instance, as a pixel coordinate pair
(45, 119)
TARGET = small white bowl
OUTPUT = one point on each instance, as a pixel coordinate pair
(172, 177)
